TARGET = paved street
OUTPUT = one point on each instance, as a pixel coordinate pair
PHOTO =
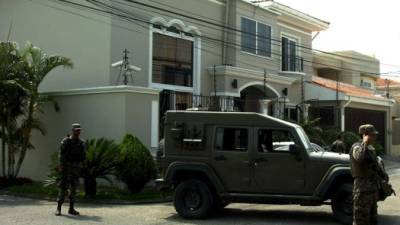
(20, 211)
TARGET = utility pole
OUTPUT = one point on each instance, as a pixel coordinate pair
(387, 84)
(337, 100)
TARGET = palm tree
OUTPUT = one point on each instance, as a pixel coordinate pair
(38, 66)
(21, 72)
(12, 102)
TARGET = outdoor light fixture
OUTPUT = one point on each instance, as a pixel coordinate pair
(234, 83)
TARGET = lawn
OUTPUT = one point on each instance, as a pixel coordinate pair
(38, 190)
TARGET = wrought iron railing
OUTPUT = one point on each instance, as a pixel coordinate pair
(292, 63)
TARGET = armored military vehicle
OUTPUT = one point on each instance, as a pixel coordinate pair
(211, 159)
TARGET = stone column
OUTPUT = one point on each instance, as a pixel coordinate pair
(264, 105)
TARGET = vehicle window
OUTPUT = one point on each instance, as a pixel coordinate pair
(231, 139)
(274, 140)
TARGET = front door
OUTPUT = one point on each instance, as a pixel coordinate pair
(231, 157)
(276, 171)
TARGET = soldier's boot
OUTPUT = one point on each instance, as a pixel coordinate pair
(58, 210)
(72, 210)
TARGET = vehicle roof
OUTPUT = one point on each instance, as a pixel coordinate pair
(228, 118)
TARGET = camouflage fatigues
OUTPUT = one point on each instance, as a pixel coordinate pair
(366, 184)
(72, 155)
(338, 146)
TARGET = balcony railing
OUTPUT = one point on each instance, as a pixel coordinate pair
(292, 64)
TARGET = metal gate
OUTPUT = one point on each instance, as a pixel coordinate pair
(355, 117)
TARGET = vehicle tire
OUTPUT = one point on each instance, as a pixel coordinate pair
(342, 204)
(193, 199)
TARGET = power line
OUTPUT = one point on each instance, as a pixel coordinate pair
(129, 18)
(218, 40)
(236, 29)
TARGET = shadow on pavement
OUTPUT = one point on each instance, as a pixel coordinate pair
(389, 219)
(84, 218)
(266, 216)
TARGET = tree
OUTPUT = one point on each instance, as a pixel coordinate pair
(12, 102)
(313, 131)
(24, 69)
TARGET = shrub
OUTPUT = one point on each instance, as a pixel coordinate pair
(135, 165)
(330, 135)
(54, 175)
(379, 149)
(100, 162)
(7, 182)
(349, 138)
(101, 159)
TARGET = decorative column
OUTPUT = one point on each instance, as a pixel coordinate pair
(264, 105)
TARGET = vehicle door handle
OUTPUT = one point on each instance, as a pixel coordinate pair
(220, 158)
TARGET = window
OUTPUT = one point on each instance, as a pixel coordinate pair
(366, 84)
(274, 140)
(290, 59)
(231, 139)
(172, 60)
(256, 37)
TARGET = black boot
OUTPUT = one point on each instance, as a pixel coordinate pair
(71, 210)
(58, 211)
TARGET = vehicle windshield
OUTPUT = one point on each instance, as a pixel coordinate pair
(304, 138)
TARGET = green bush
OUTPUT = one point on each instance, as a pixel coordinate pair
(379, 149)
(349, 138)
(330, 135)
(54, 175)
(100, 162)
(135, 165)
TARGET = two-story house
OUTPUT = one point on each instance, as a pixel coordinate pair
(343, 94)
(231, 55)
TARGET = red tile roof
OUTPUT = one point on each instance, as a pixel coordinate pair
(345, 88)
(382, 82)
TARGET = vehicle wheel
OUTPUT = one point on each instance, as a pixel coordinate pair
(342, 204)
(193, 199)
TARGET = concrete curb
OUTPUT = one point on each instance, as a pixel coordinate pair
(92, 201)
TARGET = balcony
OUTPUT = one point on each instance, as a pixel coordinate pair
(292, 67)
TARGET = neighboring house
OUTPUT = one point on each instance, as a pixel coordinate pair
(256, 65)
(391, 89)
(343, 94)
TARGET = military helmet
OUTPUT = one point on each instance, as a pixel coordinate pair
(367, 129)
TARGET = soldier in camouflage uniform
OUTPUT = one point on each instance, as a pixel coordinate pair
(338, 145)
(72, 156)
(363, 162)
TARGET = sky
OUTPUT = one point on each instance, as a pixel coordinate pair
(366, 26)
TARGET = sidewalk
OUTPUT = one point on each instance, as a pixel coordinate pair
(391, 162)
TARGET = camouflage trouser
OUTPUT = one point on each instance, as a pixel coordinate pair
(69, 180)
(365, 208)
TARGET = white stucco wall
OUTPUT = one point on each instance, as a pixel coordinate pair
(61, 30)
(109, 112)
